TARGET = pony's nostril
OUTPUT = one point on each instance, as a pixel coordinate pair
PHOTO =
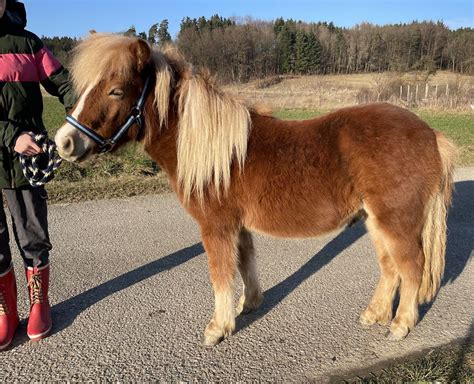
(66, 145)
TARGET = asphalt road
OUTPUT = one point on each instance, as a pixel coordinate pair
(131, 297)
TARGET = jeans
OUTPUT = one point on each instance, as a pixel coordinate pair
(28, 209)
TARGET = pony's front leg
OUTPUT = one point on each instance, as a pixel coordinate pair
(221, 248)
(252, 295)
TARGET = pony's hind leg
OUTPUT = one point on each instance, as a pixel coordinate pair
(409, 259)
(380, 308)
(221, 247)
(252, 295)
(397, 237)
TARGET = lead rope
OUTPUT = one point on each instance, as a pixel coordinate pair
(30, 165)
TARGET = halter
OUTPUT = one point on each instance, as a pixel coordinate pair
(135, 116)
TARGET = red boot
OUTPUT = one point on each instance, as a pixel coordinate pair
(9, 320)
(39, 323)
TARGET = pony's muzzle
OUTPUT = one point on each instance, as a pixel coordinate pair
(71, 145)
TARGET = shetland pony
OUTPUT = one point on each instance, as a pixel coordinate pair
(237, 171)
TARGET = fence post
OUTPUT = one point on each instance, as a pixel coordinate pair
(416, 94)
(426, 90)
(408, 94)
(401, 91)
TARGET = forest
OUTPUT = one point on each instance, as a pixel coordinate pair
(239, 50)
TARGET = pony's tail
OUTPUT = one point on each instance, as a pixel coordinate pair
(435, 227)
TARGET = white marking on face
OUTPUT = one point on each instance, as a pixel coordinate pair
(70, 142)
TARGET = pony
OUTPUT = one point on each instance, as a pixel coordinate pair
(238, 170)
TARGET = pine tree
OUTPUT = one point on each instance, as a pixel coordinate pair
(153, 34)
(286, 48)
(163, 34)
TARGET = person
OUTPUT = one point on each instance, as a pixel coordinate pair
(25, 63)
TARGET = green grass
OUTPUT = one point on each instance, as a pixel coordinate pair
(459, 126)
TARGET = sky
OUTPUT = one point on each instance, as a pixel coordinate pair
(75, 18)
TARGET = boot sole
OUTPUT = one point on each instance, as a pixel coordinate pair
(40, 336)
(5, 346)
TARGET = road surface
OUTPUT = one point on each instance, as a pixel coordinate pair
(131, 297)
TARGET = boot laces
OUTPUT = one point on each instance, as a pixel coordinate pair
(3, 304)
(36, 293)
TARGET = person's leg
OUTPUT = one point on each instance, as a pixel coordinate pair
(28, 208)
(8, 308)
(5, 254)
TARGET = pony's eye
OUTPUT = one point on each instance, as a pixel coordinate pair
(116, 92)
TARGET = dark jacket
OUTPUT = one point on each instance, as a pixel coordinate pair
(25, 63)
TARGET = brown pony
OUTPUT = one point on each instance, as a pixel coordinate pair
(236, 170)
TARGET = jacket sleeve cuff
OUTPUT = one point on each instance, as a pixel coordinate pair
(9, 133)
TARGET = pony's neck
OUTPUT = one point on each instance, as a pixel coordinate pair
(161, 144)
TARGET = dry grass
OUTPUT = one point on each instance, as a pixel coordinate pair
(107, 188)
(334, 91)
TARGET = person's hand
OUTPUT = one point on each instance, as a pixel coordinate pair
(26, 145)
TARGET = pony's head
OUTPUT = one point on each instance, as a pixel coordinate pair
(109, 73)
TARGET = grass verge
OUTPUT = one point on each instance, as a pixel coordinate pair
(446, 364)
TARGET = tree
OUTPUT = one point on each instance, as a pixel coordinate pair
(153, 34)
(162, 34)
(132, 32)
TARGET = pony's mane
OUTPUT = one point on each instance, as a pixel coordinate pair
(213, 132)
(213, 127)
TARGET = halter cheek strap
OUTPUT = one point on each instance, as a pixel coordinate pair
(135, 116)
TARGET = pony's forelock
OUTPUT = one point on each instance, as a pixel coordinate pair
(98, 55)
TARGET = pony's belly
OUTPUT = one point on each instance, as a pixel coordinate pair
(293, 226)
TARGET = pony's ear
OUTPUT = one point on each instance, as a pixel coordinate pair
(142, 53)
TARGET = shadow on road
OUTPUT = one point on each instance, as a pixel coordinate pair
(280, 291)
(460, 231)
(64, 313)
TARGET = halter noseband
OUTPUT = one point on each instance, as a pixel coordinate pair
(135, 116)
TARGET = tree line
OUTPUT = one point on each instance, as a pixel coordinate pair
(239, 50)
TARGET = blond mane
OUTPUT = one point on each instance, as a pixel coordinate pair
(213, 128)
(213, 131)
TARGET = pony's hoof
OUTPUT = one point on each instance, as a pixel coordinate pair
(369, 317)
(211, 340)
(366, 321)
(214, 333)
(396, 334)
(246, 306)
